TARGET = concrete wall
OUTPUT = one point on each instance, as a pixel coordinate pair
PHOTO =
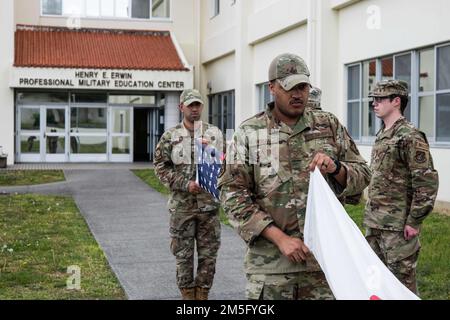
(441, 159)
(221, 73)
(249, 34)
(264, 52)
(213, 26)
(270, 18)
(404, 25)
(6, 94)
(171, 110)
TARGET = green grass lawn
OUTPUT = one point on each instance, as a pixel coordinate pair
(40, 237)
(30, 177)
(434, 260)
(149, 177)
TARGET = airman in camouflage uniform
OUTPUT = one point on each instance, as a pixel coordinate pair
(194, 213)
(314, 101)
(264, 184)
(403, 187)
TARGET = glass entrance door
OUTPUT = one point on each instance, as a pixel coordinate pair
(55, 133)
(80, 133)
(121, 127)
(29, 134)
(42, 132)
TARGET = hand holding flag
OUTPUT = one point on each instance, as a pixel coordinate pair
(209, 164)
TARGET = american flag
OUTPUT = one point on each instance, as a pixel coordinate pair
(209, 163)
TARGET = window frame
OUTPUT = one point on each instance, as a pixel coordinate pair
(218, 98)
(437, 93)
(414, 96)
(84, 15)
(41, 10)
(169, 18)
(426, 93)
(412, 105)
(260, 91)
(215, 8)
(359, 99)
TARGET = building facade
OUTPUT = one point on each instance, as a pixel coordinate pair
(93, 81)
(349, 46)
(224, 48)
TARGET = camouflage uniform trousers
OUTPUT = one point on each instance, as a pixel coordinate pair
(288, 286)
(398, 254)
(186, 229)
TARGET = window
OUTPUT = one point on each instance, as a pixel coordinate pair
(121, 9)
(264, 96)
(362, 77)
(161, 9)
(426, 91)
(139, 9)
(87, 119)
(443, 116)
(443, 94)
(429, 92)
(354, 100)
(387, 68)
(90, 97)
(222, 110)
(32, 97)
(149, 100)
(72, 7)
(369, 80)
(403, 72)
(52, 7)
(106, 8)
(443, 58)
(93, 8)
(215, 8)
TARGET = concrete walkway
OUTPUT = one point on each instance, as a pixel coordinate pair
(130, 222)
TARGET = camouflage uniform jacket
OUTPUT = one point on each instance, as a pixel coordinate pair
(253, 199)
(404, 184)
(175, 167)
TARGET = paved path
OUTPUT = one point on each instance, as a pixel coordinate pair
(130, 222)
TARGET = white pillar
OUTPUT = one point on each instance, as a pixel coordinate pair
(6, 94)
(171, 112)
(313, 42)
(329, 66)
(323, 55)
(244, 89)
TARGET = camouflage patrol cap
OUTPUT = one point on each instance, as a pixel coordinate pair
(390, 87)
(315, 95)
(190, 96)
(290, 70)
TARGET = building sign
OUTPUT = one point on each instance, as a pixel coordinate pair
(101, 79)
